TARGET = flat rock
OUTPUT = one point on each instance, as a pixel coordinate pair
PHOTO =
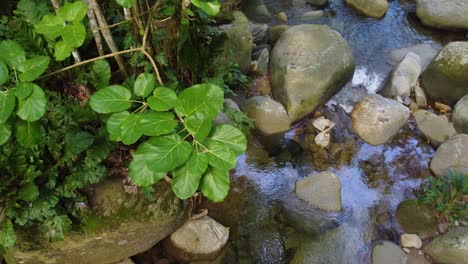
(387, 252)
(316, 14)
(451, 247)
(451, 155)
(460, 115)
(437, 129)
(425, 52)
(371, 8)
(415, 218)
(270, 116)
(404, 77)
(322, 190)
(443, 14)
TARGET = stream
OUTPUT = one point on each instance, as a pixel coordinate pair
(268, 223)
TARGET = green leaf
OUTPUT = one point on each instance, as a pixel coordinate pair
(164, 99)
(28, 134)
(24, 90)
(114, 98)
(113, 125)
(144, 85)
(164, 153)
(219, 155)
(5, 133)
(7, 235)
(62, 50)
(51, 26)
(205, 97)
(34, 107)
(11, 53)
(197, 163)
(141, 174)
(100, 74)
(157, 123)
(7, 104)
(76, 143)
(125, 3)
(73, 11)
(74, 35)
(29, 192)
(3, 73)
(198, 125)
(184, 183)
(210, 7)
(231, 137)
(33, 68)
(215, 184)
(131, 131)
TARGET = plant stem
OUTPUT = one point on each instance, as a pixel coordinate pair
(94, 28)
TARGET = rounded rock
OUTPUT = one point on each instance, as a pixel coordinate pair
(437, 129)
(269, 115)
(410, 241)
(386, 252)
(443, 14)
(322, 190)
(451, 155)
(460, 115)
(371, 8)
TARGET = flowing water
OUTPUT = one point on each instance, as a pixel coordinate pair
(268, 223)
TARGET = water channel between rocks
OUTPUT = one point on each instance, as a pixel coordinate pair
(268, 223)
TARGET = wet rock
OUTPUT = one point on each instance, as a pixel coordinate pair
(256, 10)
(451, 155)
(262, 62)
(425, 52)
(417, 256)
(404, 77)
(259, 32)
(316, 14)
(122, 225)
(386, 252)
(231, 104)
(201, 239)
(222, 118)
(410, 241)
(376, 119)
(437, 129)
(416, 218)
(445, 78)
(450, 248)
(322, 190)
(371, 8)
(443, 14)
(276, 32)
(317, 2)
(460, 115)
(268, 246)
(420, 96)
(309, 64)
(269, 115)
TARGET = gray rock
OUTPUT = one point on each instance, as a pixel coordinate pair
(451, 155)
(322, 190)
(231, 104)
(404, 77)
(376, 119)
(450, 248)
(371, 8)
(410, 241)
(446, 77)
(420, 96)
(201, 239)
(386, 252)
(276, 32)
(262, 62)
(443, 14)
(313, 15)
(256, 10)
(222, 118)
(309, 64)
(269, 115)
(416, 218)
(259, 32)
(460, 115)
(437, 129)
(425, 52)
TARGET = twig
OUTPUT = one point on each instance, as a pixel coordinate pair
(93, 24)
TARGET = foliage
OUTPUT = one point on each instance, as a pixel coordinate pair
(448, 195)
(241, 120)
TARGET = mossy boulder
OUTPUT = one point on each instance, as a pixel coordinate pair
(416, 218)
(450, 248)
(122, 225)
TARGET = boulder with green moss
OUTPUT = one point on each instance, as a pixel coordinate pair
(416, 218)
(450, 248)
(121, 225)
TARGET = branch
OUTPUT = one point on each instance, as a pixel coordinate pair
(94, 25)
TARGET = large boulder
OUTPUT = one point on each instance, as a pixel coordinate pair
(450, 248)
(387, 252)
(460, 115)
(404, 77)
(256, 10)
(446, 77)
(371, 8)
(443, 14)
(122, 225)
(322, 190)
(309, 64)
(376, 119)
(437, 129)
(269, 115)
(416, 218)
(451, 155)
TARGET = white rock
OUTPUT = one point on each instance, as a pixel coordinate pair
(410, 241)
(321, 123)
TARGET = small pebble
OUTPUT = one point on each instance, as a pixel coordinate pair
(442, 107)
(410, 241)
(283, 17)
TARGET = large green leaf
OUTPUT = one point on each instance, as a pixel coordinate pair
(164, 153)
(3, 73)
(51, 26)
(125, 3)
(24, 90)
(197, 163)
(219, 155)
(33, 68)
(215, 184)
(157, 123)
(114, 98)
(164, 99)
(205, 97)
(62, 50)
(144, 84)
(29, 192)
(7, 104)
(131, 131)
(11, 53)
(184, 183)
(74, 35)
(5, 133)
(28, 134)
(100, 74)
(231, 137)
(141, 174)
(34, 107)
(210, 7)
(113, 125)
(73, 11)
(7, 234)
(198, 125)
